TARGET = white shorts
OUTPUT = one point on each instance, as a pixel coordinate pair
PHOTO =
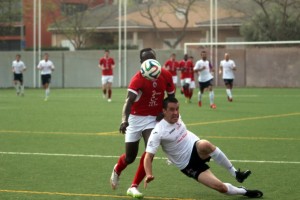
(192, 85)
(175, 79)
(186, 80)
(107, 79)
(137, 124)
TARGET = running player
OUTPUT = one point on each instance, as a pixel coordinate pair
(143, 104)
(172, 66)
(186, 68)
(205, 79)
(46, 67)
(18, 67)
(107, 64)
(227, 67)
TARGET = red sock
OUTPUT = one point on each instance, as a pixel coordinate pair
(186, 93)
(140, 173)
(109, 93)
(191, 94)
(121, 165)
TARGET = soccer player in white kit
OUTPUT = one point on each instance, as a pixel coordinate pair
(227, 67)
(18, 67)
(46, 67)
(205, 80)
(190, 153)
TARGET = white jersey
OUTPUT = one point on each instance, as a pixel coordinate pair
(204, 75)
(176, 141)
(46, 67)
(18, 66)
(227, 66)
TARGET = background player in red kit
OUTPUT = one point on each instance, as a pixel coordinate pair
(172, 66)
(186, 68)
(143, 104)
(107, 64)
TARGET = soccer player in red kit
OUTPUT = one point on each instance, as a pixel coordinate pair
(172, 66)
(186, 68)
(142, 106)
(107, 64)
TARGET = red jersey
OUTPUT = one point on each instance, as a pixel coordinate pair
(172, 66)
(150, 93)
(107, 64)
(186, 68)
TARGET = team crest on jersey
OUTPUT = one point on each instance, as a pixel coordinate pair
(154, 84)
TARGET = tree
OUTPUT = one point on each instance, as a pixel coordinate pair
(272, 21)
(73, 23)
(10, 15)
(155, 11)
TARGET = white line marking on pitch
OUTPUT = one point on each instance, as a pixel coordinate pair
(160, 158)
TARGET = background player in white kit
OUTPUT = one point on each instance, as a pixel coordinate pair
(190, 154)
(18, 67)
(46, 67)
(227, 66)
(205, 79)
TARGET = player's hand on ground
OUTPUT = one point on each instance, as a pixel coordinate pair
(123, 127)
(148, 179)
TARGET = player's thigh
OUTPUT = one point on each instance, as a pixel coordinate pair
(208, 179)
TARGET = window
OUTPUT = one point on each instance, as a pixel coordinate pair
(70, 9)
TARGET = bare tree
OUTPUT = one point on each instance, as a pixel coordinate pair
(155, 11)
(74, 24)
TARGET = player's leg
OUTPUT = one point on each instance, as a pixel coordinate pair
(210, 180)
(131, 150)
(200, 93)
(21, 85)
(211, 94)
(109, 84)
(206, 149)
(140, 173)
(16, 83)
(104, 86)
(228, 89)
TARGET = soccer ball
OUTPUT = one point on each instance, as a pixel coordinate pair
(150, 69)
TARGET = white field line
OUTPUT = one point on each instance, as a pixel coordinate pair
(159, 158)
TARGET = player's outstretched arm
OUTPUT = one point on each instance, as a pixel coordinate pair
(148, 168)
(126, 111)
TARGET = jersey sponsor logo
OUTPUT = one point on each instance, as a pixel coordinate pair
(154, 99)
(182, 137)
(154, 84)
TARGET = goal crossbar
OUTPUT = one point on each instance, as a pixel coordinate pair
(237, 43)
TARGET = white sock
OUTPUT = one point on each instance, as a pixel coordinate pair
(211, 97)
(199, 96)
(22, 89)
(47, 92)
(232, 190)
(220, 158)
(228, 91)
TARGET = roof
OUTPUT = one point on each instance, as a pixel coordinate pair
(107, 17)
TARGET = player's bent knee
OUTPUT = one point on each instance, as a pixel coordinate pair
(206, 147)
(129, 160)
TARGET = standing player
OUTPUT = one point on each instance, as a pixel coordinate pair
(172, 66)
(227, 66)
(143, 104)
(192, 85)
(18, 67)
(46, 67)
(190, 153)
(107, 64)
(205, 79)
(186, 68)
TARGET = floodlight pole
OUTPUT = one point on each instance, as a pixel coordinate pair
(34, 43)
(120, 44)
